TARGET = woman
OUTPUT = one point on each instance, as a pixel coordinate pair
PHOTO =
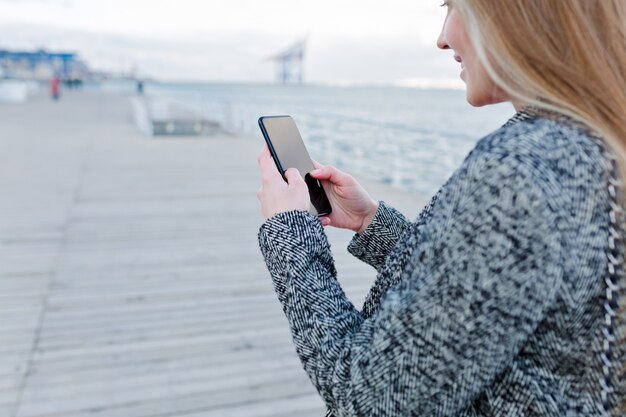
(503, 297)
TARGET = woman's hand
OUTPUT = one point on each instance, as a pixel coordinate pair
(352, 206)
(276, 195)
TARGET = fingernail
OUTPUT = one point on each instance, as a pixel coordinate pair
(316, 171)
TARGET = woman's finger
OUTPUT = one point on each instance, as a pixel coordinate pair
(331, 174)
(267, 165)
(317, 165)
(293, 177)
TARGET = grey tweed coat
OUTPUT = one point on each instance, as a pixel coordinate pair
(489, 304)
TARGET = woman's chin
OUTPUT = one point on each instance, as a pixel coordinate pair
(480, 98)
(472, 98)
(479, 95)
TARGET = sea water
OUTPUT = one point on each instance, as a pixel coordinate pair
(411, 138)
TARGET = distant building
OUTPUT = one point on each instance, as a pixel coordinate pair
(42, 65)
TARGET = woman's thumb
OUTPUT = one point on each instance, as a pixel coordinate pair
(293, 176)
(321, 173)
(330, 173)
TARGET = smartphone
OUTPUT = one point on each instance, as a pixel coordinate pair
(288, 150)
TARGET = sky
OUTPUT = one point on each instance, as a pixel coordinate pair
(348, 41)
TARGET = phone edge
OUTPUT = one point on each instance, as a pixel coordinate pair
(268, 141)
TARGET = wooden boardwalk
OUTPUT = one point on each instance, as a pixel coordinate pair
(131, 283)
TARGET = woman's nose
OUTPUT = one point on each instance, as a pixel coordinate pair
(441, 41)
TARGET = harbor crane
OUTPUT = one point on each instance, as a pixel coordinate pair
(290, 63)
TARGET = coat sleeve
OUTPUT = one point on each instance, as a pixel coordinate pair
(385, 245)
(374, 244)
(482, 274)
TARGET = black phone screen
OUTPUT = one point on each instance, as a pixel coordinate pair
(288, 150)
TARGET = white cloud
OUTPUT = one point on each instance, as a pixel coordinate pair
(360, 41)
(167, 18)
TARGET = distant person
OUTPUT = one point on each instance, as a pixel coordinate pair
(506, 296)
(139, 87)
(55, 88)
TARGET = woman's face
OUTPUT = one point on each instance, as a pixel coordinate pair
(481, 90)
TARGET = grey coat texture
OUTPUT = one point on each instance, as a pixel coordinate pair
(489, 304)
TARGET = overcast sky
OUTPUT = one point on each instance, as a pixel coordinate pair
(349, 41)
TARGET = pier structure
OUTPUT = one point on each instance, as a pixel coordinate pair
(131, 280)
(41, 64)
(290, 63)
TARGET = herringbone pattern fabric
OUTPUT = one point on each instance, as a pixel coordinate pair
(488, 305)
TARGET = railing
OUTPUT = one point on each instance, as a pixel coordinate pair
(414, 158)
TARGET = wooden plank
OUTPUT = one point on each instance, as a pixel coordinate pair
(204, 402)
(172, 385)
(6, 410)
(125, 361)
(225, 361)
(153, 378)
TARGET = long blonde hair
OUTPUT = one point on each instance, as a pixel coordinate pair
(567, 56)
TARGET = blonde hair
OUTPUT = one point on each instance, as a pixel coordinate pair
(567, 56)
